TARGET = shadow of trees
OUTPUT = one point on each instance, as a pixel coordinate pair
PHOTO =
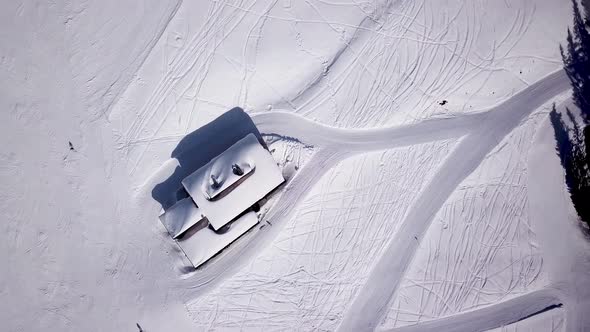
(573, 135)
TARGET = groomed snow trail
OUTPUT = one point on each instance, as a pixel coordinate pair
(369, 307)
(124, 84)
(482, 132)
(479, 133)
(497, 315)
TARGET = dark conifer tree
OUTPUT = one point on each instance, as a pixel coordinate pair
(564, 144)
(586, 6)
(573, 145)
(577, 62)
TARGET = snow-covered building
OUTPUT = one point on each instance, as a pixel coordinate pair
(221, 192)
(181, 216)
(232, 182)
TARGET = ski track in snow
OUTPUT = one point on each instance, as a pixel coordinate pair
(483, 132)
(478, 132)
(327, 68)
(493, 316)
(368, 308)
(310, 272)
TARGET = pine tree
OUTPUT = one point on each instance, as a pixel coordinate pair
(574, 149)
(560, 135)
(564, 144)
(580, 30)
(574, 160)
(577, 62)
(577, 154)
(580, 172)
(586, 6)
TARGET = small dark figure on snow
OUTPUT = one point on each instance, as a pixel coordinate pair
(214, 182)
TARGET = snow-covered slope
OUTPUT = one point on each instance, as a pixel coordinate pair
(422, 193)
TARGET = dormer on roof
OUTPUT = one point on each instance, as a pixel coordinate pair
(233, 181)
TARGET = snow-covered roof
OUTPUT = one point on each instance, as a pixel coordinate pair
(180, 217)
(206, 243)
(222, 193)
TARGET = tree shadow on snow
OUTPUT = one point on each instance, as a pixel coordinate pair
(199, 147)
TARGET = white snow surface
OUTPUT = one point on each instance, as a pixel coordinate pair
(399, 211)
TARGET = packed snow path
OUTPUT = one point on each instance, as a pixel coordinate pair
(480, 133)
(369, 307)
(126, 85)
(493, 316)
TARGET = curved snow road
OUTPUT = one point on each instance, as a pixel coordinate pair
(514, 109)
(370, 305)
(494, 316)
(482, 131)
(289, 124)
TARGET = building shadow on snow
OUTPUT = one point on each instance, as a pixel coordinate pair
(199, 147)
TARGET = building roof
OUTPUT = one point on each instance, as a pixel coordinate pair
(221, 194)
(180, 217)
(201, 243)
